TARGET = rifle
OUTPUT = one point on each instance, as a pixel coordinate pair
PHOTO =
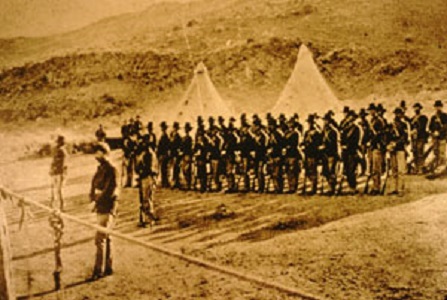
(387, 175)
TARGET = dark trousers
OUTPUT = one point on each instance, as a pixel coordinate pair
(130, 167)
(350, 161)
(202, 175)
(311, 172)
(187, 170)
(292, 171)
(164, 163)
(244, 173)
(175, 164)
(277, 173)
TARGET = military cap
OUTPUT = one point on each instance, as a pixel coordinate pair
(328, 116)
(176, 125)
(372, 106)
(417, 105)
(221, 119)
(211, 119)
(60, 140)
(199, 119)
(363, 112)
(296, 116)
(150, 125)
(163, 125)
(398, 110)
(232, 119)
(188, 126)
(403, 105)
(282, 117)
(438, 103)
(311, 118)
(255, 117)
(268, 116)
(346, 109)
(380, 108)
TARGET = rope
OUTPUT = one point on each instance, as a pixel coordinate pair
(57, 223)
(190, 259)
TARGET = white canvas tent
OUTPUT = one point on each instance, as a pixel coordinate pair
(201, 98)
(306, 91)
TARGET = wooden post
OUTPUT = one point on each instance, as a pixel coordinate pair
(6, 284)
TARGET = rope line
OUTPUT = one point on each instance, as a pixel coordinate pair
(190, 259)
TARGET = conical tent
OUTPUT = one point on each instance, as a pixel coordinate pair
(306, 91)
(200, 99)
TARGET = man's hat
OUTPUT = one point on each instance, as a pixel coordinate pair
(398, 110)
(188, 126)
(311, 118)
(243, 116)
(268, 116)
(176, 125)
(363, 112)
(346, 109)
(282, 118)
(211, 120)
(60, 139)
(150, 125)
(380, 108)
(163, 125)
(220, 119)
(328, 116)
(417, 105)
(255, 117)
(353, 114)
(403, 104)
(438, 103)
(372, 106)
(232, 119)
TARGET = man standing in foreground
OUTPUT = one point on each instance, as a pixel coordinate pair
(104, 192)
(58, 172)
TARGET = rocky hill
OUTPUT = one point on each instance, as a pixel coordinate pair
(362, 47)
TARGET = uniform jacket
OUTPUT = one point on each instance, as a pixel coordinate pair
(104, 187)
(438, 125)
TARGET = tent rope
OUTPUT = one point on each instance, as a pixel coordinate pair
(291, 291)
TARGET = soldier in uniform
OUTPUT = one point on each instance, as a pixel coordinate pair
(365, 155)
(147, 169)
(298, 125)
(346, 116)
(214, 147)
(330, 152)
(137, 125)
(260, 152)
(292, 155)
(129, 148)
(100, 134)
(377, 147)
(398, 139)
(245, 149)
(58, 172)
(174, 154)
(104, 193)
(275, 145)
(438, 131)
(350, 141)
(419, 136)
(229, 149)
(152, 138)
(163, 149)
(201, 153)
(187, 153)
(311, 144)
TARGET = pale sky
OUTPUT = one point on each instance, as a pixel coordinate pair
(47, 17)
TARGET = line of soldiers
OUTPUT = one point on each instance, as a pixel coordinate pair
(269, 156)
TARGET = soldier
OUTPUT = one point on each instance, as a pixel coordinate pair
(377, 147)
(100, 134)
(398, 137)
(201, 153)
(174, 154)
(311, 144)
(292, 156)
(163, 155)
(275, 145)
(125, 132)
(129, 149)
(137, 125)
(104, 193)
(260, 154)
(214, 147)
(438, 131)
(419, 136)
(222, 126)
(350, 141)
(298, 125)
(147, 169)
(330, 152)
(245, 149)
(346, 111)
(152, 138)
(365, 155)
(187, 153)
(58, 172)
(131, 127)
(229, 149)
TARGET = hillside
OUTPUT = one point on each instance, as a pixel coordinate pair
(363, 48)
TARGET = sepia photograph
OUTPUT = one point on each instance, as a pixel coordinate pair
(223, 149)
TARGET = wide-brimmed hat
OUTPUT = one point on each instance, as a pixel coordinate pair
(311, 118)
(438, 103)
(372, 106)
(380, 108)
(176, 125)
(163, 125)
(188, 126)
(363, 112)
(417, 105)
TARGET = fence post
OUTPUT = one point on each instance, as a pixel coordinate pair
(6, 284)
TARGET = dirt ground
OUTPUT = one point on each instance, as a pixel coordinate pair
(333, 247)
